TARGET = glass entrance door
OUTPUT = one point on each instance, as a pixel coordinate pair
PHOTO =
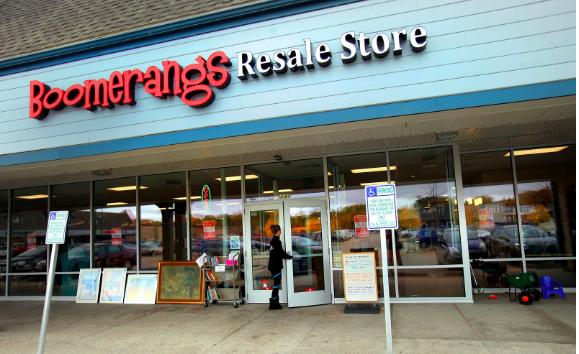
(305, 278)
(308, 276)
(259, 282)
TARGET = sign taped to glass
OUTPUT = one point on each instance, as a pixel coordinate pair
(361, 226)
(486, 218)
(31, 238)
(117, 236)
(209, 230)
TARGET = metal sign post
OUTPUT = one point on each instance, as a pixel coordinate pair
(387, 316)
(54, 236)
(382, 214)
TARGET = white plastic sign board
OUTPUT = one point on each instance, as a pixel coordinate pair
(359, 272)
(56, 227)
(381, 210)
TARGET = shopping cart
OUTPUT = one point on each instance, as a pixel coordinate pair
(524, 282)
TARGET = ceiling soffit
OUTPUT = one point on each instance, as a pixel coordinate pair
(549, 121)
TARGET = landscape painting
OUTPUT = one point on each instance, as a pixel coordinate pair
(180, 283)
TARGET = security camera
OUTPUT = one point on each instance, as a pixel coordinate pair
(277, 157)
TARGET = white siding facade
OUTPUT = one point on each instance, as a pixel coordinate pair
(473, 45)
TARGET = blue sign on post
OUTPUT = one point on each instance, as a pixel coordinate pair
(381, 210)
(56, 229)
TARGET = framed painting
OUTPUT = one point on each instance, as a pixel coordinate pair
(180, 283)
(141, 289)
(113, 285)
(89, 282)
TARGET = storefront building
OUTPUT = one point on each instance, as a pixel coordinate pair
(195, 136)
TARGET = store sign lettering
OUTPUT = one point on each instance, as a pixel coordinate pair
(173, 80)
(352, 44)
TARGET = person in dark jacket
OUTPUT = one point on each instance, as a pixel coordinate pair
(275, 265)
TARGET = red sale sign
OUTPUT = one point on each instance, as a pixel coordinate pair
(31, 238)
(209, 230)
(360, 225)
(486, 219)
(117, 239)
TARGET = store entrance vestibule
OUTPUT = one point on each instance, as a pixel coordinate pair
(306, 277)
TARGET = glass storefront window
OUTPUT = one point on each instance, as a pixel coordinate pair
(347, 177)
(546, 187)
(433, 282)
(27, 285)
(562, 271)
(492, 274)
(65, 285)
(163, 232)
(29, 219)
(216, 212)
(2, 285)
(427, 206)
(114, 224)
(74, 198)
(489, 202)
(284, 180)
(3, 230)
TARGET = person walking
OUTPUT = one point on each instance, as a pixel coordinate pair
(275, 265)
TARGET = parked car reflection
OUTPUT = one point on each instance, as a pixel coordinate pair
(27, 261)
(448, 250)
(342, 235)
(504, 241)
(151, 248)
(34, 260)
(106, 256)
(219, 246)
(304, 250)
(427, 238)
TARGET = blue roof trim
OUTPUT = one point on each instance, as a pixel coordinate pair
(444, 103)
(203, 24)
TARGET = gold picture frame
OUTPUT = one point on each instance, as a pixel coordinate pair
(180, 282)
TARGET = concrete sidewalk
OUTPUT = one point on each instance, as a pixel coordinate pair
(487, 326)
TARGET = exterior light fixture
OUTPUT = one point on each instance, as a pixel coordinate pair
(446, 136)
